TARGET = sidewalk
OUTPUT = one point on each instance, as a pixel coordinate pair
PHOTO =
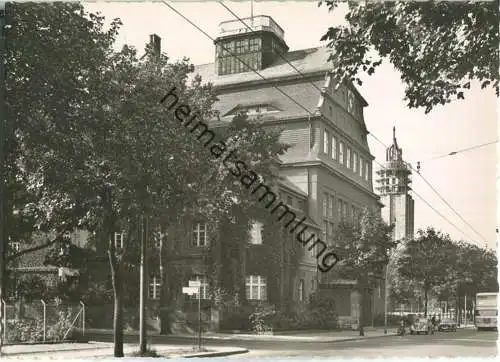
(101, 349)
(293, 336)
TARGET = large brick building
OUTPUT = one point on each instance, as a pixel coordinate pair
(327, 171)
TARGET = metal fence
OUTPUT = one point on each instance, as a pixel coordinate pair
(40, 321)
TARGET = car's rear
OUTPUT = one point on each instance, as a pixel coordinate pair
(421, 326)
(447, 325)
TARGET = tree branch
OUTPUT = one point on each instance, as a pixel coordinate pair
(34, 248)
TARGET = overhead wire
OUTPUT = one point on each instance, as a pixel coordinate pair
(283, 92)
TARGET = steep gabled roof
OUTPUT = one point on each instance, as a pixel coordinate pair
(305, 60)
(301, 98)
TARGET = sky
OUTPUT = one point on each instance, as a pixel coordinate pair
(466, 181)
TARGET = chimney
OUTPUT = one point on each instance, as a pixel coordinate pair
(155, 42)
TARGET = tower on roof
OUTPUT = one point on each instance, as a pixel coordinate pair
(252, 43)
(394, 187)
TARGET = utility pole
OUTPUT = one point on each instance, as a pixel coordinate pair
(3, 116)
(155, 42)
(199, 317)
(143, 289)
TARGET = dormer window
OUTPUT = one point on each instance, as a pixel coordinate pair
(253, 110)
(350, 102)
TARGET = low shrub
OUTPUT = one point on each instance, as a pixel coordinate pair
(56, 332)
(261, 319)
(25, 330)
(31, 329)
(237, 319)
(148, 353)
(321, 312)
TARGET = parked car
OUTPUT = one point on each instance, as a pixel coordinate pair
(447, 324)
(422, 325)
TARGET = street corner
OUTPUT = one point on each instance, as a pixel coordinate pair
(207, 352)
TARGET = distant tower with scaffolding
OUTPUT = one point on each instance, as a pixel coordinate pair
(393, 185)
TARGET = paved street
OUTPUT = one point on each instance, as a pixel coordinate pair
(463, 343)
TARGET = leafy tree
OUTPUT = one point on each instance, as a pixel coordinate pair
(439, 47)
(424, 260)
(363, 248)
(53, 50)
(469, 270)
(403, 290)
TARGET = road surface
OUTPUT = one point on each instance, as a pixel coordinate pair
(463, 343)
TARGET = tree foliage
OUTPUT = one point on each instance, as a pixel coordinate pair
(433, 263)
(422, 260)
(54, 54)
(90, 146)
(439, 47)
(363, 248)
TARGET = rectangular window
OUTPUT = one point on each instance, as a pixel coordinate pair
(256, 287)
(350, 102)
(340, 202)
(367, 171)
(154, 287)
(334, 148)
(325, 205)
(256, 233)
(348, 161)
(200, 234)
(119, 238)
(239, 46)
(355, 162)
(301, 290)
(300, 205)
(254, 44)
(341, 152)
(325, 228)
(326, 142)
(204, 287)
(289, 200)
(158, 238)
(361, 162)
(330, 207)
(14, 246)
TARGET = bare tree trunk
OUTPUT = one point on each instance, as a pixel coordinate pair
(117, 283)
(362, 309)
(425, 302)
(108, 227)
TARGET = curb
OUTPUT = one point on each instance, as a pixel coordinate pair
(276, 338)
(348, 339)
(3, 354)
(190, 355)
(215, 353)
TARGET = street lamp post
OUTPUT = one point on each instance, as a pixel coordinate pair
(385, 297)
